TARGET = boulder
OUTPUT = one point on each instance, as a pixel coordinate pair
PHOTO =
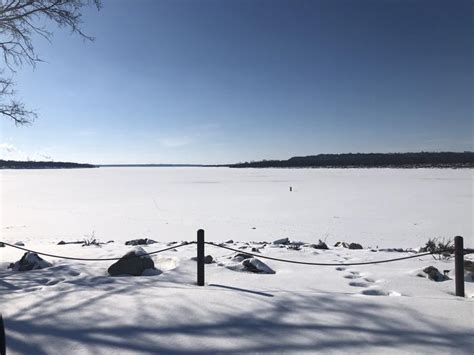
(230, 241)
(281, 241)
(62, 242)
(20, 244)
(208, 259)
(256, 266)
(434, 274)
(341, 244)
(134, 263)
(355, 246)
(142, 241)
(2, 245)
(468, 265)
(320, 245)
(29, 261)
(241, 256)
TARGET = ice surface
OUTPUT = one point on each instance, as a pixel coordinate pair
(384, 207)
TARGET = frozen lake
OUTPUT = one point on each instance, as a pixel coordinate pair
(384, 207)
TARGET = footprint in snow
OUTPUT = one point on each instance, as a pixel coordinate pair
(374, 292)
(358, 284)
(380, 292)
(352, 276)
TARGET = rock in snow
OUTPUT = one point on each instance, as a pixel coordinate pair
(134, 263)
(241, 256)
(434, 274)
(208, 259)
(20, 244)
(469, 265)
(29, 261)
(143, 241)
(257, 266)
(281, 241)
(320, 245)
(347, 245)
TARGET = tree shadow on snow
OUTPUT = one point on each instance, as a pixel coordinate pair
(178, 322)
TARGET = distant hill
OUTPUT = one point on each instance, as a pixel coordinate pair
(14, 164)
(369, 160)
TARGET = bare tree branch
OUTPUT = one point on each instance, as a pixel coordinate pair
(20, 20)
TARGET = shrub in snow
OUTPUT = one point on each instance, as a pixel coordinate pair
(91, 241)
(281, 241)
(442, 248)
(134, 263)
(29, 261)
(256, 266)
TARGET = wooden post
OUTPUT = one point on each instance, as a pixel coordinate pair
(3, 343)
(200, 257)
(459, 265)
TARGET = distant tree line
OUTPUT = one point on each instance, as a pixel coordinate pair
(13, 164)
(369, 160)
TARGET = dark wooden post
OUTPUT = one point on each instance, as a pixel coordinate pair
(200, 257)
(3, 343)
(459, 265)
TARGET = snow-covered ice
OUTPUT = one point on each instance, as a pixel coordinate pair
(75, 307)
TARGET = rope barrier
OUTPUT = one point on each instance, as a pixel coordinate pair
(228, 248)
(323, 264)
(94, 259)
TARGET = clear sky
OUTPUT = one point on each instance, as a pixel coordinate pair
(200, 81)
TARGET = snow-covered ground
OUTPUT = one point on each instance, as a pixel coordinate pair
(75, 307)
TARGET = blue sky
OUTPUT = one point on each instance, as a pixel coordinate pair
(221, 81)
